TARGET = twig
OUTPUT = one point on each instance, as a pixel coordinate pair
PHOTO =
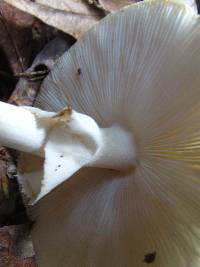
(33, 76)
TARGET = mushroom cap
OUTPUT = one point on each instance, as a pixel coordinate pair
(138, 68)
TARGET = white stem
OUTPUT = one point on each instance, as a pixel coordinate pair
(26, 129)
(68, 140)
(117, 150)
(20, 130)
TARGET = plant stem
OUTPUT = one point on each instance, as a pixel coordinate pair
(19, 129)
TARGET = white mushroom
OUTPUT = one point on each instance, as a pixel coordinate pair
(121, 183)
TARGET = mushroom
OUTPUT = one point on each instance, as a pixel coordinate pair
(119, 142)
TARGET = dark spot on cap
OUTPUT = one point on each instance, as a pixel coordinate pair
(150, 257)
(61, 156)
(79, 71)
(59, 166)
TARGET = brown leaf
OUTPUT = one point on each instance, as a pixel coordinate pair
(15, 35)
(15, 16)
(30, 81)
(76, 6)
(16, 249)
(15, 32)
(6, 202)
(11, 209)
(72, 17)
(113, 5)
(21, 37)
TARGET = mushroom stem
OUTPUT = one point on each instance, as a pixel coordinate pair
(34, 131)
(20, 130)
(117, 150)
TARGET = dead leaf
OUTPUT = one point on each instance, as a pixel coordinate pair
(12, 210)
(15, 35)
(21, 38)
(72, 17)
(113, 5)
(16, 249)
(75, 6)
(30, 81)
(7, 205)
(15, 16)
